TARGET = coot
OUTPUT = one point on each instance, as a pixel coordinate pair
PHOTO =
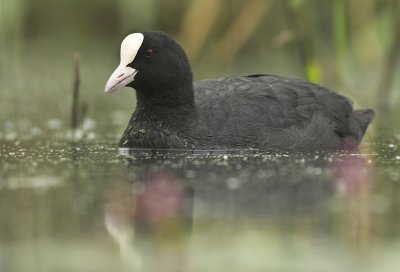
(266, 112)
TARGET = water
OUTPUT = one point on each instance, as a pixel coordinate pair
(86, 206)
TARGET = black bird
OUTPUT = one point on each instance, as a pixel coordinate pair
(266, 112)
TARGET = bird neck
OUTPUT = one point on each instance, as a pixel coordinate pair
(170, 104)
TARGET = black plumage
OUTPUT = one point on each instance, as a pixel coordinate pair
(265, 112)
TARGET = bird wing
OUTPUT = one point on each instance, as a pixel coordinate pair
(267, 101)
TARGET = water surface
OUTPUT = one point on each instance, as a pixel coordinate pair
(86, 206)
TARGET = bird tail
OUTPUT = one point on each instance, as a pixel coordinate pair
(360, 120)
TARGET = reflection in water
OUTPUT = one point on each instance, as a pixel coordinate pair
(169, 199)
(154, 209)
(352, 173)
(353, 178)
(157, 209)
(215, 211)
(120, 208)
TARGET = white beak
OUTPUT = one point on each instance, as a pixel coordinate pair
(122, 76)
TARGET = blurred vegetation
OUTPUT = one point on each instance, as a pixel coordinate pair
(350, 46)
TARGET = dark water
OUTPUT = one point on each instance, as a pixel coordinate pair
(87, 207)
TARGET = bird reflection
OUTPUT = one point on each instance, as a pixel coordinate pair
(120, 209)
(353, 179)
(161, 201)
(352, 172)
(151, 215)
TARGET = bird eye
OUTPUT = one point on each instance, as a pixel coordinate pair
(149, 53)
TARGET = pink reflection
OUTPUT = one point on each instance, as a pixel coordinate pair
(162, 199)
(354, 177)
(157, 205)
(352, 172)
